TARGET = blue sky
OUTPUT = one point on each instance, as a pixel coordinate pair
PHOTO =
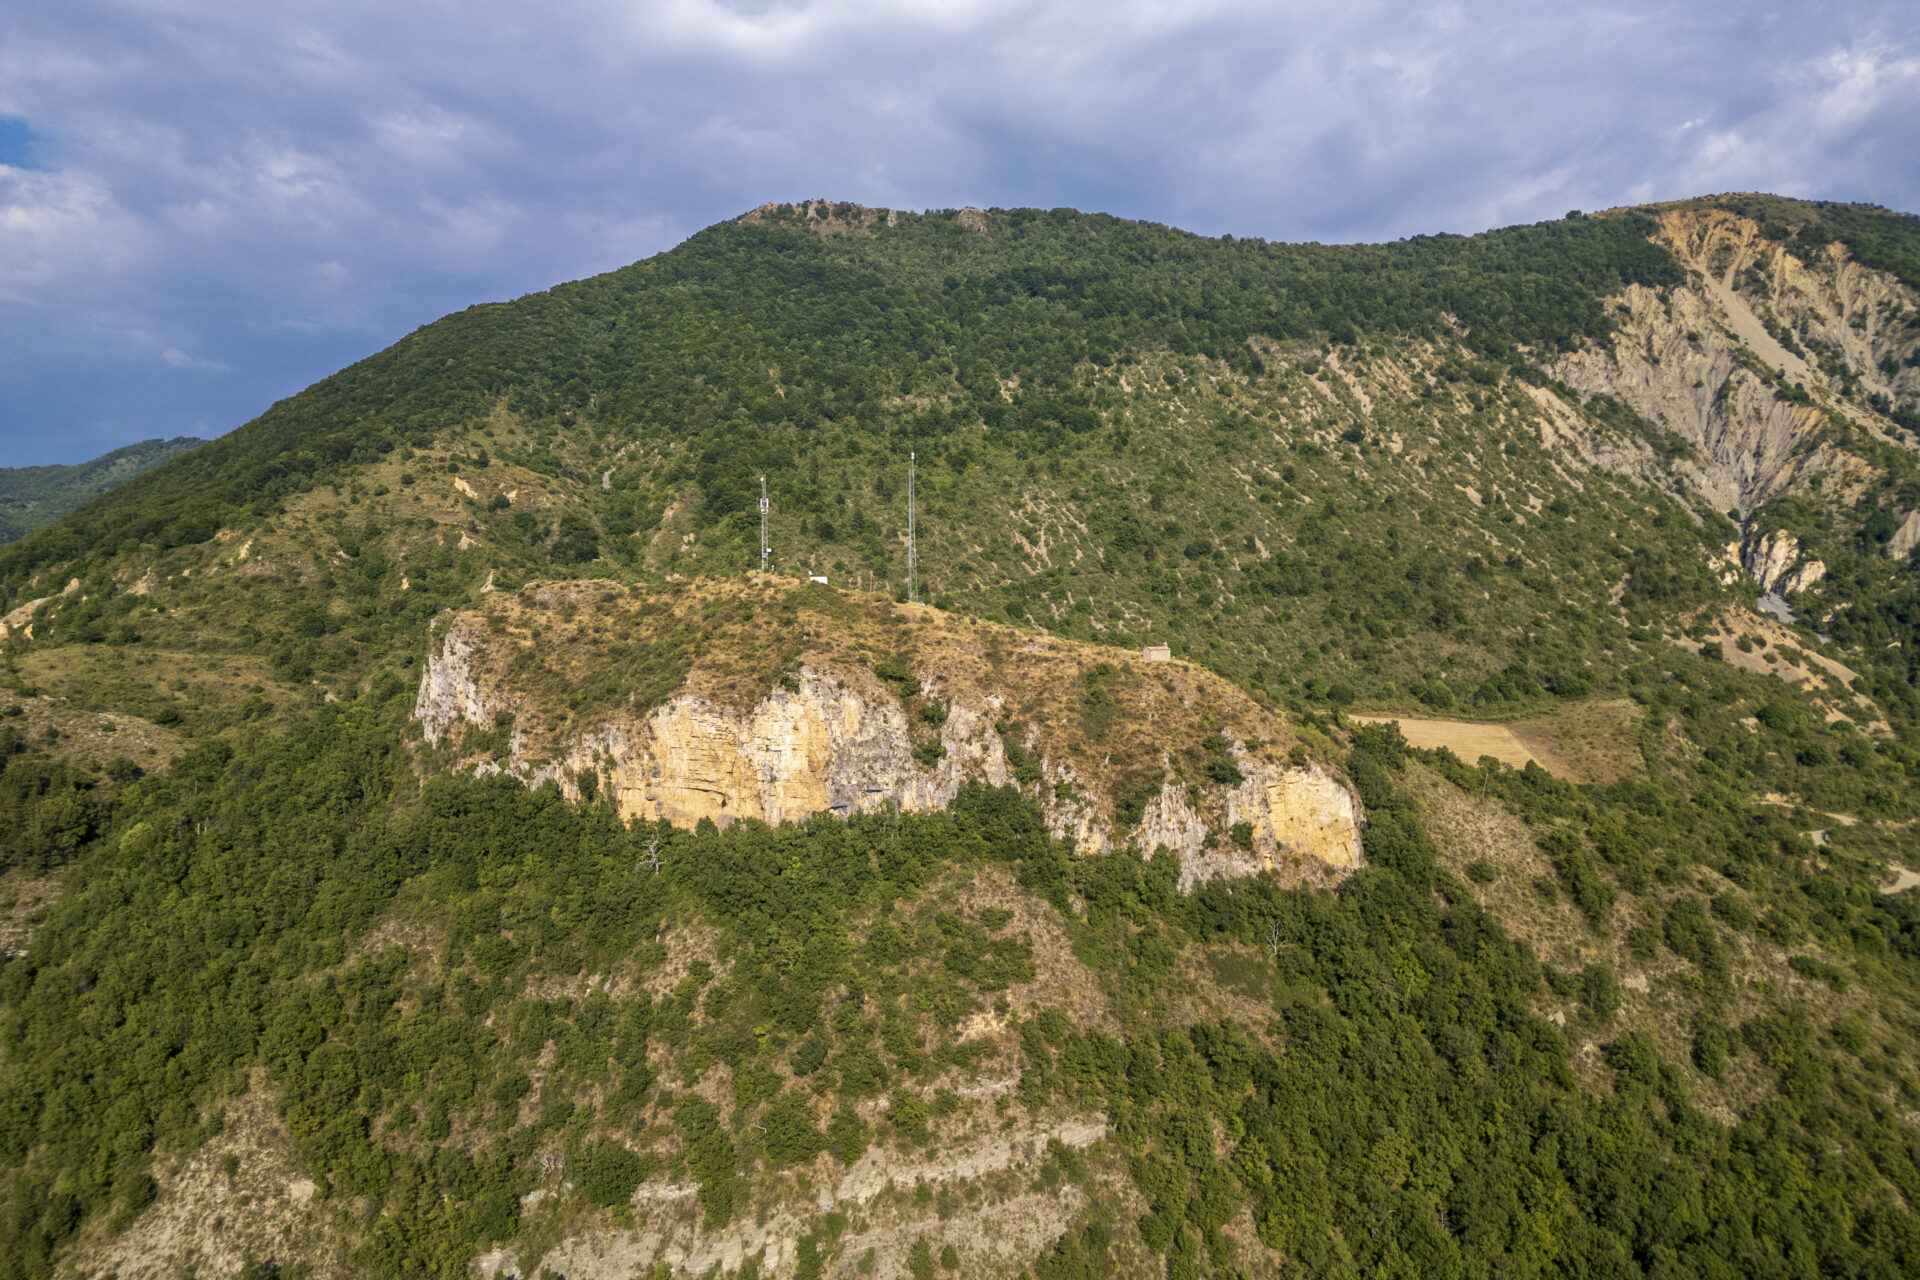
(207, 204)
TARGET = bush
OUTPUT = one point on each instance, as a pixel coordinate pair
(1600, 991)
(1632, 1056)
(1691, 935)
(1733, 907)
(907, 1113)
(609, 1173)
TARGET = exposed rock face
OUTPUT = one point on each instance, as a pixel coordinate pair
(1804, 576)
(1726, 564)
(833, 746)
(1745, 437)
(824, 748)
(1769, 558)
(1171, 822)
(1071, 815)
(1296, 814)
(998, 1232)
(1688, 359)
(21, 618)
(1774, 561)
(1302, 812)
(1906, 537)
(449, 694)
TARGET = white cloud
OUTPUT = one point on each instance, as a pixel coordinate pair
(1850, 86)
(59, 231)
(178, 359)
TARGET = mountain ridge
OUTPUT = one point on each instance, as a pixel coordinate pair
(431, 848)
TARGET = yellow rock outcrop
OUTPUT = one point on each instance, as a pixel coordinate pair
(838, 741)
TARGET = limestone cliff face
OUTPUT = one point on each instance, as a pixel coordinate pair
(823, 748)
(1297, 815)
(1768, 559)
(1691, 358)
(1297, 812)
(1170, 821)
(1071, 813)
(1775, 563)
(449, 694)
(841, 744)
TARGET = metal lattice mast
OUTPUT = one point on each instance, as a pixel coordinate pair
(913, 561)
(765, 549)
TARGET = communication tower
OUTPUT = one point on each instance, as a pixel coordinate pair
(913, 562)
(765, 549)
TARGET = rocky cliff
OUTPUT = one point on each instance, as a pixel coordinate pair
(834, 737)
(1776, 564)
(1743, 362)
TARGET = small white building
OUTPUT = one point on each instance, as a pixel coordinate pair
(814, 577)
(1157, 653)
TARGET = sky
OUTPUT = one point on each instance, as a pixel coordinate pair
(206, 205)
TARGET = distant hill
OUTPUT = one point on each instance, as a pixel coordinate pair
(34, 497)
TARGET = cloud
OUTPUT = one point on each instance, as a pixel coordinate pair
(175, 358)
(280, 190)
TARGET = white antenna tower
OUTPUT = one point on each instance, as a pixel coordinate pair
(913, 562)
(765, 550)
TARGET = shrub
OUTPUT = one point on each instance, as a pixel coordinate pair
(609, 1173)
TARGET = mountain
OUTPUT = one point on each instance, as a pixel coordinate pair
(34, 497)
(433, 844)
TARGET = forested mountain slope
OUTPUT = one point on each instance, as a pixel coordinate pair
(34, 497)
(429, 847)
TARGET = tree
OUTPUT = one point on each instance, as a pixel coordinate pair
(920, 1260)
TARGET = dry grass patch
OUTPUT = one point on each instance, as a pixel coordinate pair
(242, 1195)
(1471, 829)
(685, 941)
(96, 736)
(1468, 739)
(1214, 982)
(1060, 980)
(25, 899)
(1596, 741)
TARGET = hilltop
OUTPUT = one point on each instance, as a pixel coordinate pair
(434, 848)
(1127, 434)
